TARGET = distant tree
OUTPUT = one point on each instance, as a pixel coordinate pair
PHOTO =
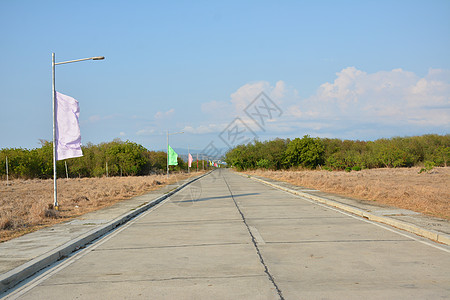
(307, 152)
(390, 154)
(263, 163)
(157, 161)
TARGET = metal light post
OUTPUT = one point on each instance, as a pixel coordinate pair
(7, 174)
(168, 148)
(55, 197)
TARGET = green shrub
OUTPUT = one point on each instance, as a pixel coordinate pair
(306, 152)
(429, 165)
(263, 163)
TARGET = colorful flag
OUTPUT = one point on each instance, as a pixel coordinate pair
(172, 157)
(68, 137)
(190, 160)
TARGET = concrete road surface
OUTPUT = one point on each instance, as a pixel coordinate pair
(228, 237)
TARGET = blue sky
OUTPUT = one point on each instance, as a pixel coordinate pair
(345, 69)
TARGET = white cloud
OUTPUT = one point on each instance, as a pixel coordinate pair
(203, 129)
(243, 96)
(215, 107)
(247, 93)
(279, 91)
(296, 112)
(146, 131)
(163, 115)
(94, 118)
(387, 97)
(122, 133)
(357, 104)
(98, 118)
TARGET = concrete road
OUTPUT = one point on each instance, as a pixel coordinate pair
(228, 237)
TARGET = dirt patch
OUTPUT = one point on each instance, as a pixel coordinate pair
(427, 192)
(27, 205)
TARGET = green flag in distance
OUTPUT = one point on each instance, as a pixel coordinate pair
(172, 157)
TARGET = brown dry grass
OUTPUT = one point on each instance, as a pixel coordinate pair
(26, 204)
(427, 193)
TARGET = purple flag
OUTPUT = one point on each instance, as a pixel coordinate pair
(68, 137)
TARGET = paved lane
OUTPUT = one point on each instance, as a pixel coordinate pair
(315, 252)
(228, 237)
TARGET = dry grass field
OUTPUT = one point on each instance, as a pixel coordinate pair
(427, 192)
(25, 204)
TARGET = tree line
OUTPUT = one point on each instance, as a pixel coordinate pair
(336, 154)
(119, 158)
(116, 158)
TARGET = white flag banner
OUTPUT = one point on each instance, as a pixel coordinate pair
(68, 137)
(190, 160)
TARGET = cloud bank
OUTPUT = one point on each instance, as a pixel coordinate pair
(360, 105)
(356, 105)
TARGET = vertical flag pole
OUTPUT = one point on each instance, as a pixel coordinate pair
(55, 197)
(55, 202)
(197, 162)
(67, 173)
(189, 171)
(167, 154)
(7, 175)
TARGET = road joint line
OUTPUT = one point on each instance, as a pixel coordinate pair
(255, 244)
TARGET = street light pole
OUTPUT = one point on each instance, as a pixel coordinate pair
(167, 154)
(55, 194)
(7, 174)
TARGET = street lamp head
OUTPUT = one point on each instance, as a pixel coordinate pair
(98, 58)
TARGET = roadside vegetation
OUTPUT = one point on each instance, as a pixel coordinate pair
(426, 151)
(116, 158)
